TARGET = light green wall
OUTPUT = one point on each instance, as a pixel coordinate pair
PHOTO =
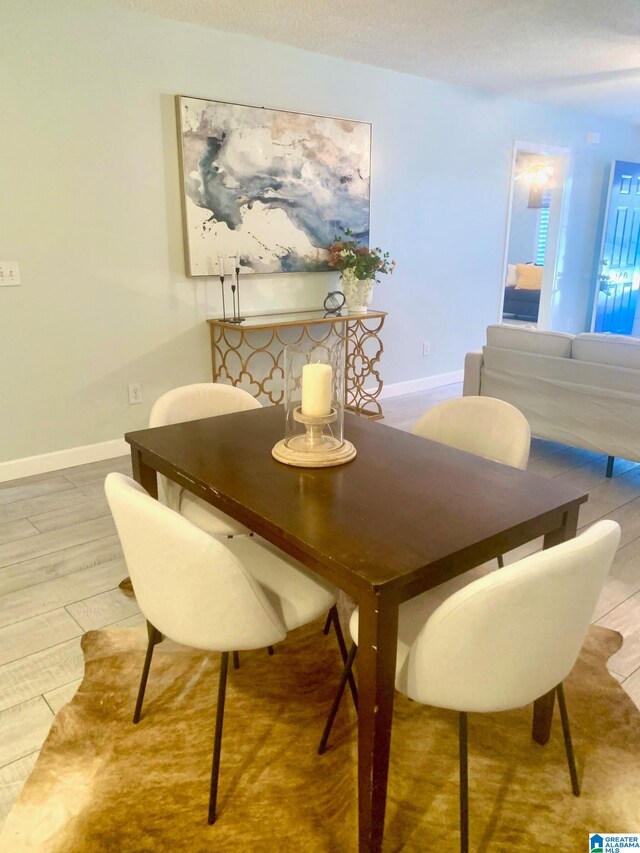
(91, 208)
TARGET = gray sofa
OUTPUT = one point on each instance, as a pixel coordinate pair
(581, 390)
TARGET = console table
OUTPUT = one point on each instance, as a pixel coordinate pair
(250, 353)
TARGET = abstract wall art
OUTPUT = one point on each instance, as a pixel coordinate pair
(269, 187)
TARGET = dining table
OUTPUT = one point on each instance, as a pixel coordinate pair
(405, 515)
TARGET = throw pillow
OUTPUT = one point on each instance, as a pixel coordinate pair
(512, 278)
(529, 277)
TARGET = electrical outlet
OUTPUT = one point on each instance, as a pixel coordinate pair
(135, 393)
(426, 348)
(9, 273)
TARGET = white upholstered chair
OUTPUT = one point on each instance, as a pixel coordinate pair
(485, 426)
(212, 594)
(481, 425)
(188, 403)
(502, 641)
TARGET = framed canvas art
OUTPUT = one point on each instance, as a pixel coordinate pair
(268, 190)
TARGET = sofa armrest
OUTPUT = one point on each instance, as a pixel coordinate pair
(472, 364)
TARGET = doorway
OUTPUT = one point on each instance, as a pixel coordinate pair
(533, 246)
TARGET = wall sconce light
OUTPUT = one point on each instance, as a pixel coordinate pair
(537, 174)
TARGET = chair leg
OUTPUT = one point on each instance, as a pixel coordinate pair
(327, 624)
(566, 731)
(236, 657)
(610, 461)
(333, 616)
(500, 561)
(155, 637)
(217, 740)
(336, 701)
(464, 784)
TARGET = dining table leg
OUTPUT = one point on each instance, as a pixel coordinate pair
(377, 640)
(143, 473)
(148, 479)
(543, 707)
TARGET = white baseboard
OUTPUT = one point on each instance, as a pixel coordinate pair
(16, 468)
(398, 389)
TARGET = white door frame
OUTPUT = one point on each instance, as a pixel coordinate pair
(605, 222)
(549, 278)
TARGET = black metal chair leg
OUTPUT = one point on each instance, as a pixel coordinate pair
(236, 657)
(327, 624)
(333, 616)
(464, 784)
(217, 740)
(566, 731)
(500, 561)
(610, 461)
(334, 619)
(336, 701)
(155, 637)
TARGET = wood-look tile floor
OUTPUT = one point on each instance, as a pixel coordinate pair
(60, 565)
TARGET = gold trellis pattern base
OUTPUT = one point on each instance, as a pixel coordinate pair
(250, 354)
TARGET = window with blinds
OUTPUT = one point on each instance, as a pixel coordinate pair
(543, 227)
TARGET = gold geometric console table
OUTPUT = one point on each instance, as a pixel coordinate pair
(250, 354)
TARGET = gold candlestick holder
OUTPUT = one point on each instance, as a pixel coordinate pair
(316, 447)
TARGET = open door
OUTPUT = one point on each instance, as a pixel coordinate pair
(618, 282)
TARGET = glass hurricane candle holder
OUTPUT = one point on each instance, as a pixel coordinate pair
(314, 407)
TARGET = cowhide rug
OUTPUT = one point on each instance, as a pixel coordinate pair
(103, 784)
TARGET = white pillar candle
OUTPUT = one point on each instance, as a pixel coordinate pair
(316, 390)
(220, 265)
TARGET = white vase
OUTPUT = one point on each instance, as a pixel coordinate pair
(357, 292)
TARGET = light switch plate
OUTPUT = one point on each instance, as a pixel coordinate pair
(9, 273)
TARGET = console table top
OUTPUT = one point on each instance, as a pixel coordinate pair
(293, 318)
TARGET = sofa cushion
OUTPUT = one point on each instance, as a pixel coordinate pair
(528, 277)
(558, 374)
(529, 340)
(619, 350)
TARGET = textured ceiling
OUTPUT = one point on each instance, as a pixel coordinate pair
(582, 54)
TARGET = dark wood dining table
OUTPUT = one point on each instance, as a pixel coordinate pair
(405, 515)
